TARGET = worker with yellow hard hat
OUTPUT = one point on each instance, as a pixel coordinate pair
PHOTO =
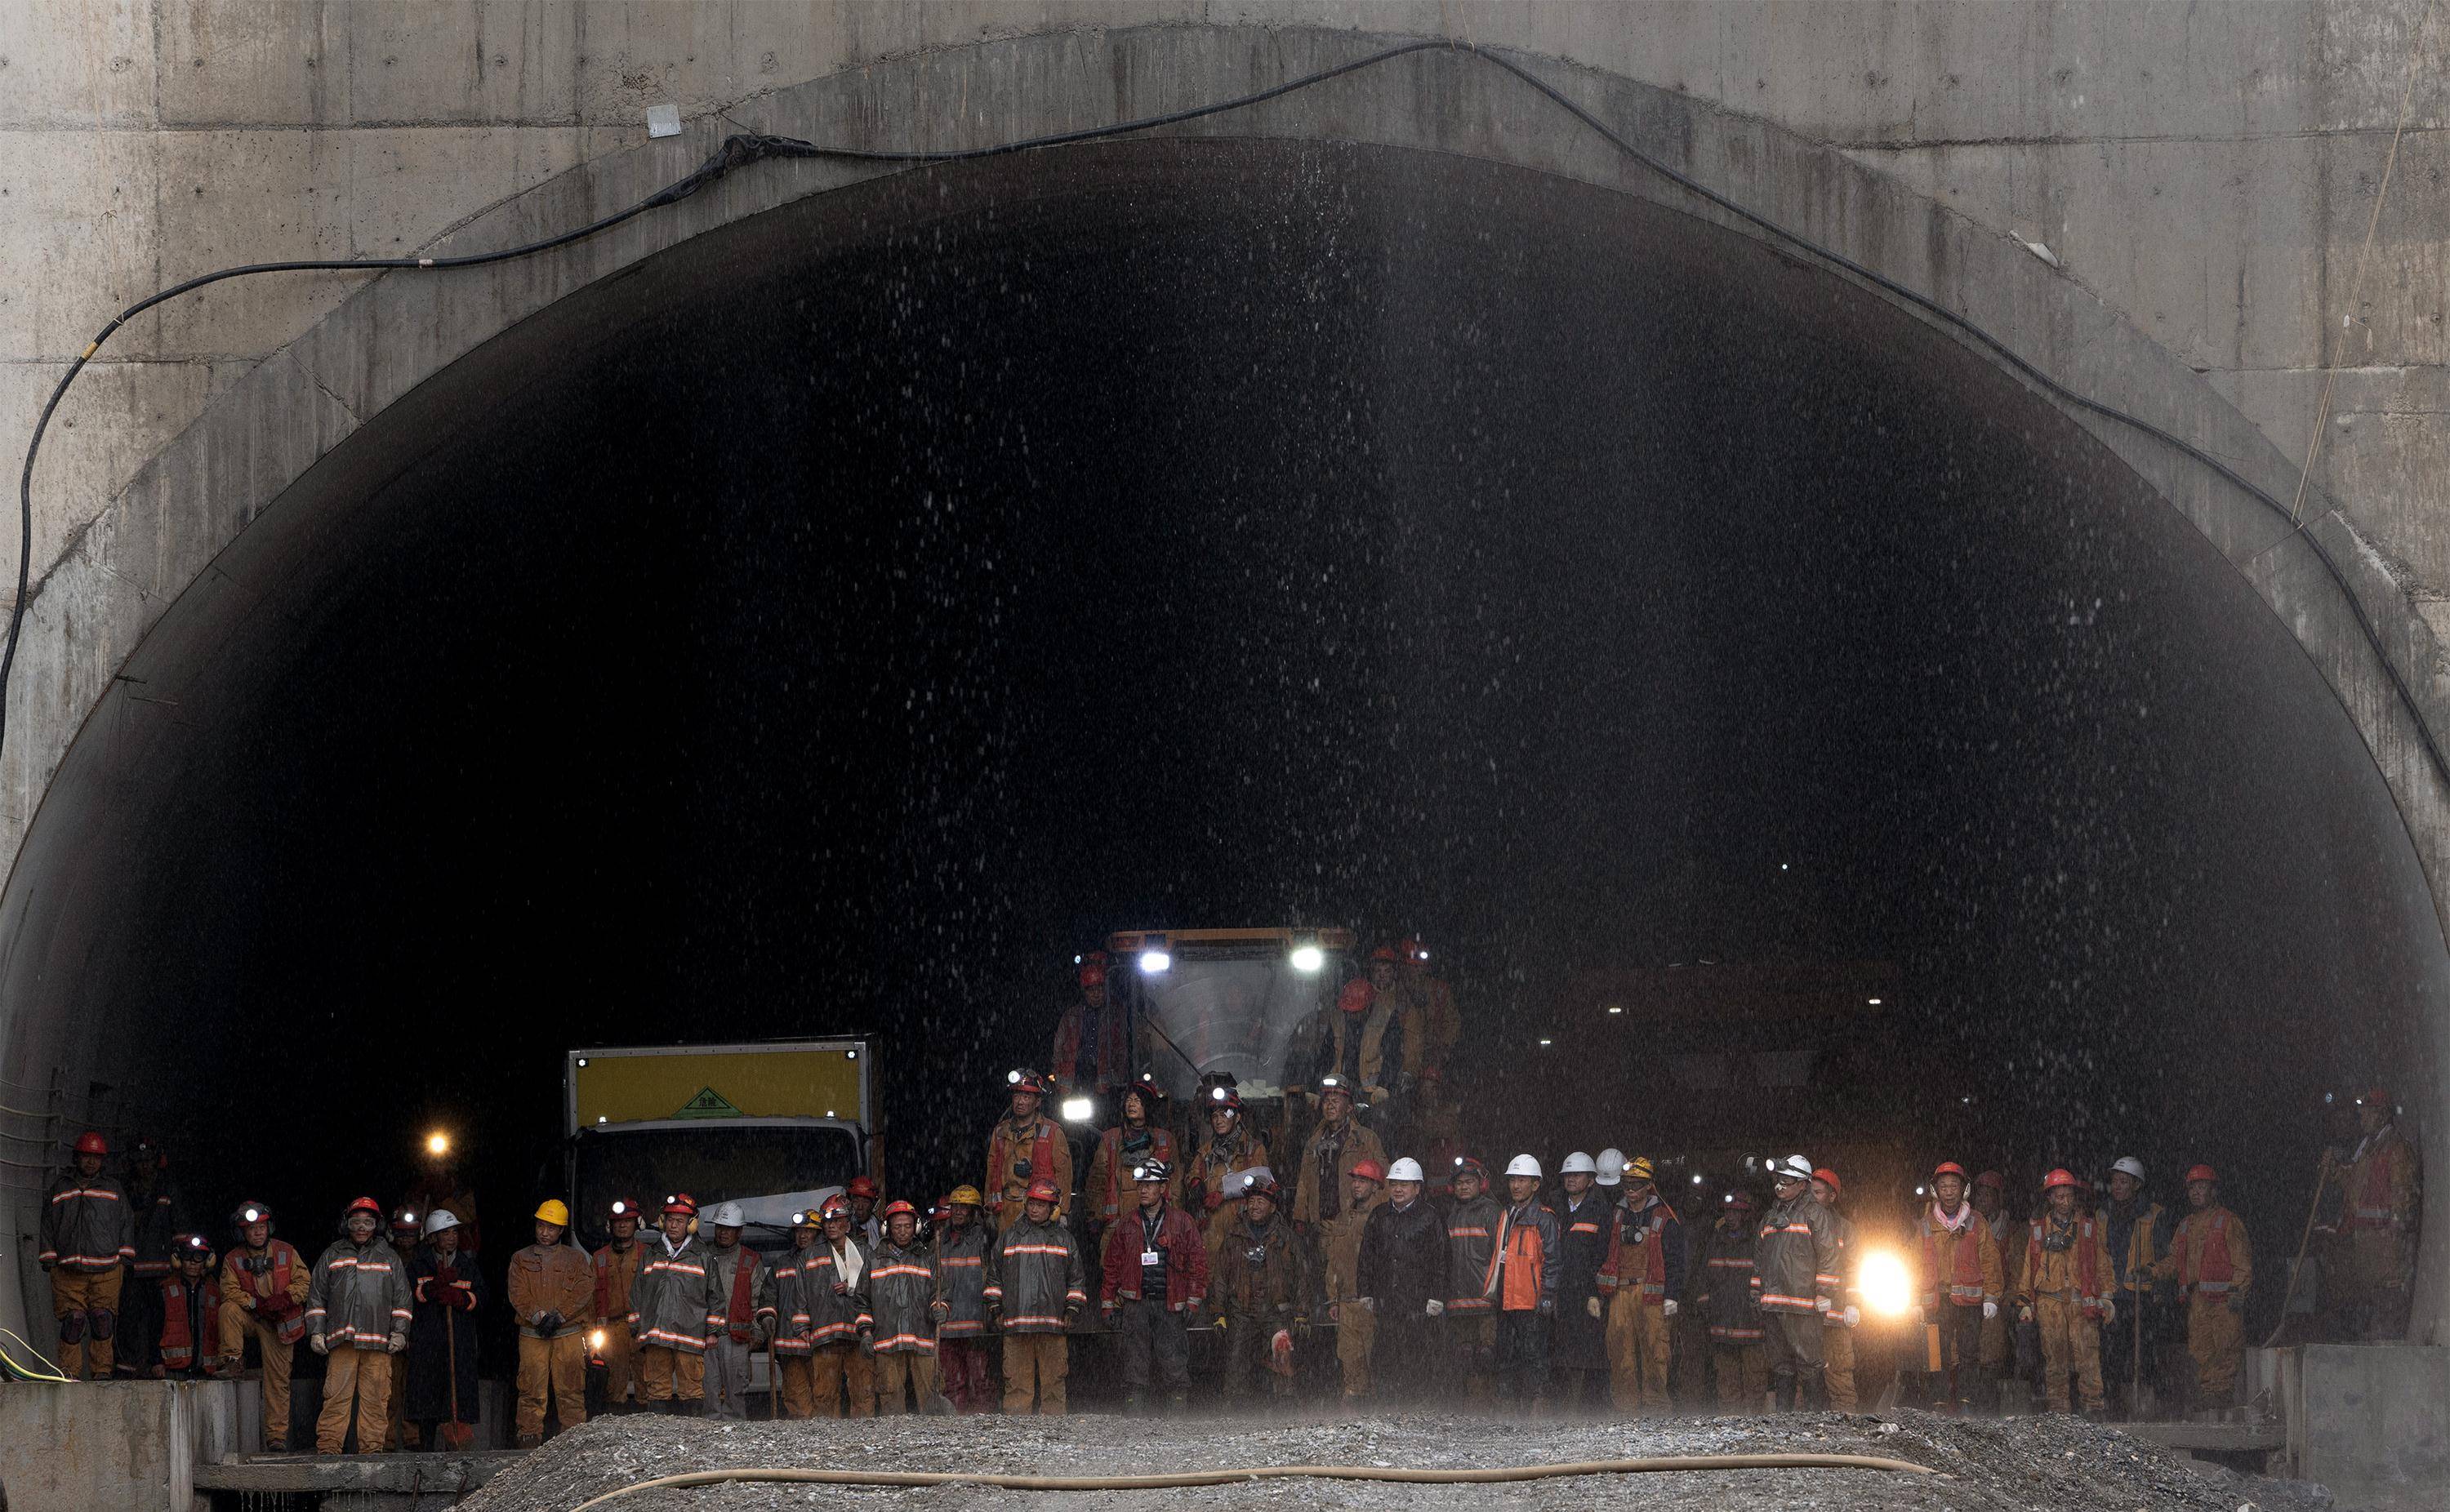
(551, 1293)
(961, 1306)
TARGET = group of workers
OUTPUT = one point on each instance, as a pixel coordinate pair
(1429, 1277)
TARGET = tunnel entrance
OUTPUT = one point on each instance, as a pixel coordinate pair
(836, 620)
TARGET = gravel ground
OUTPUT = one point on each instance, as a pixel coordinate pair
(2059, 1463)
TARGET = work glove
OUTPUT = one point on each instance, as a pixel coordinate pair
(1854, 1315)
(1071, 1314)
(1821, 1304)
(399, 1344)
(1668, 1308)
(2108, 1311)
(939, 1311)
(1547, 1307)
(637, 1330)
(1215, 1200)
(1335, 1313)
(2024, 1315)
(1591, 1306)
(549, 1323)
(1989, 1309)
(1437, 1308)
(317, 1341)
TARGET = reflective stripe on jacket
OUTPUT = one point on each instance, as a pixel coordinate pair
(1039, 1277)
(1794, 1259)
(1523, 1269)
(1472, 1246)
(901, 1287)
(667, 1301)
(813, 1312)
(87, 1224)
(1646, 1247)
(964, 1264)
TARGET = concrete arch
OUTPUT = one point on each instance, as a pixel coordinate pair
(90, 676)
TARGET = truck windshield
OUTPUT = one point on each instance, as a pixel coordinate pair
(1226, 1013)
(717, 1163)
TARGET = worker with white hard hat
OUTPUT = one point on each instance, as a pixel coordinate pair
(1794, 1265)
(1522, 1283)
(1580, 1360)
(1403, 1278)
(741, 1313)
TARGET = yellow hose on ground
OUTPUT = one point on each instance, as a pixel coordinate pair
(1178, 1479)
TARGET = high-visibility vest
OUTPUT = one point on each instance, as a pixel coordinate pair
(1965, 1284)
(2208, 1258)
(178, 1335)
(2088, 1274)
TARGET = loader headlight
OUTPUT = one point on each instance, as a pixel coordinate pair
(1079, 1110)
(1886, 1288)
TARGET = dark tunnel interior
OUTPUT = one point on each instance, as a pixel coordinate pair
(841, 618)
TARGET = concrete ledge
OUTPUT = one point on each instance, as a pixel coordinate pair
(111, 1443)
(393, 1474)
(2378, 1425)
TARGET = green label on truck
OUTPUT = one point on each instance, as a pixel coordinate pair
(708, 1103)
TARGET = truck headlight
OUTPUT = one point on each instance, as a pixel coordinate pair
(1308, 960)
(1886, 1289)
(1079, 1110)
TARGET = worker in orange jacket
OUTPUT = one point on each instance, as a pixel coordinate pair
(1962, 1283)
(615, 1269)
(1025, 1148)
(1640, 1276)
(1139, 1138)
(2066, 1289)
(1845, 1313)
(2213, 1264)
(2374, 1241)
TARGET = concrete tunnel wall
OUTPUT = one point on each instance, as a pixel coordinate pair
(153, 547)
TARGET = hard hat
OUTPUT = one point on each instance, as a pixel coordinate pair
(1385, 953)
(897, 1205)
(1256, 1182)
(2126, 1163)
(1948, 1167)
(834, 1207)
(1025, 1081)
(1145, 1084)
(2375, 1097)
(1151, 1170)
(622, 1208)
(727, 1216)
(1466, 1166)
(1524, 1166)
(966, 1194)
(440, 1219)
(404, 1221)
(1794, 1168)
(1093, 958)
(1638, 1168)
(148, 1149)
(1044, 1191)
(1742, 1202)
(1577, 1164)
(363, 1205)
(1331, 1082)
(2061, 1177)
(1371, 1170)
(1413, 949)
(253, 1212)
(1226, 1098)
(1825, 1174)
(2202, 1174)
(1405, 1169)
(554, 1210)
(1093, 973)
(1356, 995)
(806, 1218)
(1611, 1165)
(864, 1187)
(91, 1143)
(1990, 1178)
(682, 1203)
(192, 1243)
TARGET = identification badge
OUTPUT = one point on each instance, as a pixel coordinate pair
(1150, 1257)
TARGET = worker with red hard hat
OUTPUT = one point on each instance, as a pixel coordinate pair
(1962, 1283)
(901, 1289)
(1026, 1148)
(89, 1238)
(668, 1312)
(1226, 1151)
(1839, 1322)
(1365, 1038)
(2213, 1264)
(820, 1349)
(1037, 1286)
(1257, 1291)
(2067, 1289)
(1339, 1247)
(357, 1315)
(263, 1298)
(864, 1194)
(1095, 1040)
(1339, 1141)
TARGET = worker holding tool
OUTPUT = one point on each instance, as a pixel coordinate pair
(447, 1286)
(1962, 1284)
(2136, 1229)
(1259, 1291)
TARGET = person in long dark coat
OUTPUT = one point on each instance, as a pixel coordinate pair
(448, 1289)
(1583, 1212)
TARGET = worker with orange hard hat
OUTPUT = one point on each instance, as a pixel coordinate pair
(358, 1314)
(2067, 1289)
(1961, 1287)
